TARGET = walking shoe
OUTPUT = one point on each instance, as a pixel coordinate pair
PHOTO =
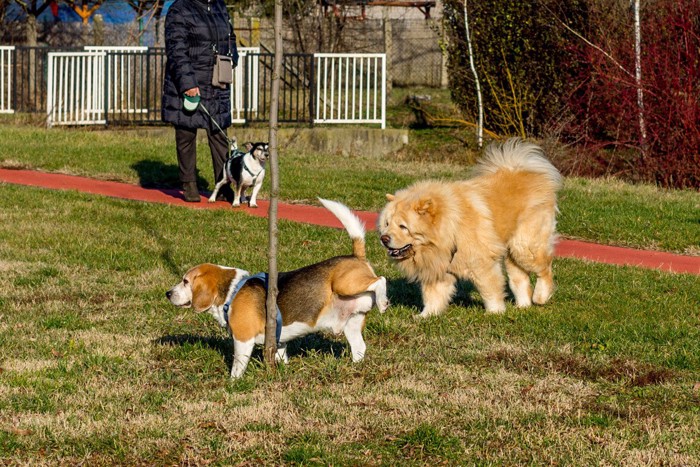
(191, 193)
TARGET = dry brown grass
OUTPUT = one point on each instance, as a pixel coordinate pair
(97, 368)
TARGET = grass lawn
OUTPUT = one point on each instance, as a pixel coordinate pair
(607, 211)
(97, 368)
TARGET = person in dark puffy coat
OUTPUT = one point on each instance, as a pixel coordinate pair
(196, 31)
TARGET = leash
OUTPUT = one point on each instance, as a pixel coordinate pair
(239, 153)
(263, 277)
(213, 120)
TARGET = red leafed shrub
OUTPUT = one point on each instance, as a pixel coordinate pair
(605, 105)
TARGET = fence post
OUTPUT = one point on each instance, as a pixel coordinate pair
(312, 90)
(385, 85)
(14, 80)
(388, 47)
(98, 30)
(49, 91)
(108, 57)
(254, 32)
(31, 78)
(245, 86)
(6, 79)
(444, 78)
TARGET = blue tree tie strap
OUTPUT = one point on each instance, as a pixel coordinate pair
(263, 277)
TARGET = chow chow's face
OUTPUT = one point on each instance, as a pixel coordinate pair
(405, 226)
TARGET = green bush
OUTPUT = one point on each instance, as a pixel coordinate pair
(522, 57)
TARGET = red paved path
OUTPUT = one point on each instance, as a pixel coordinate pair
(320, 216)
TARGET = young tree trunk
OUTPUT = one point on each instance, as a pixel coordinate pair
(388, 48)
(638, 76)
(160, 23)
(480, 103)
(30, 29)
(271, 323)
(31, 41)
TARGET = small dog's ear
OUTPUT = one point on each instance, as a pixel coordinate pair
(248, 146)
(390, 197)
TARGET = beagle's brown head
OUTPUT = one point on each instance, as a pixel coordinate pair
(204, 286)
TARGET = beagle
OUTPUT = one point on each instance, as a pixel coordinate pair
(333, 295)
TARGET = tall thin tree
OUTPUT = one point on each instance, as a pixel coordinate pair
(33, 9)
(638, 76)
(271, 305)
(480, 103)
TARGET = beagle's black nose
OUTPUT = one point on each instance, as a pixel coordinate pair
(168, 294)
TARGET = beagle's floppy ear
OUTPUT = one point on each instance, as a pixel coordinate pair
(390, 197)
(204, 291)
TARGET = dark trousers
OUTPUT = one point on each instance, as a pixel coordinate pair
(186, 145)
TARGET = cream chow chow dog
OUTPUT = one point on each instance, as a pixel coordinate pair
(439, 232)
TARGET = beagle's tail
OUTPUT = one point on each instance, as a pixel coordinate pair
(353, 225)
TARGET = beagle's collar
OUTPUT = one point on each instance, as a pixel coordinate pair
(263, 277)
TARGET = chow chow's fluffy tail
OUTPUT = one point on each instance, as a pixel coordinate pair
(353, 225)
(517, 155)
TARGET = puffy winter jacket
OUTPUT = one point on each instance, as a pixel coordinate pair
(192, 29)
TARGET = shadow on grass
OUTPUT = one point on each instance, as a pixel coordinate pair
(143, 220)
(301, 347)
(408, 294)
(156, 174)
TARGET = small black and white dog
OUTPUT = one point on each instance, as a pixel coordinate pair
(245, 169)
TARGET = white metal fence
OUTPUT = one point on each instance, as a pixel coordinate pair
(240, 93)
(91, 86)
(350, 88)
(6, 79)
(76, 90)
(123, 71)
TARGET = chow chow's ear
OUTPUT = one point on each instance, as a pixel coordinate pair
(425, 206)
(390, 197)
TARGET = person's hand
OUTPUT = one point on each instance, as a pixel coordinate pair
(192, 92)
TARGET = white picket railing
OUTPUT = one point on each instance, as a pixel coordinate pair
(64, 103)
(350, 88)
(123, 71)
(248, 62)
(76, 90)
(6, 53)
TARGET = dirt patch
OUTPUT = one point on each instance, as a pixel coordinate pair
(633, 373)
